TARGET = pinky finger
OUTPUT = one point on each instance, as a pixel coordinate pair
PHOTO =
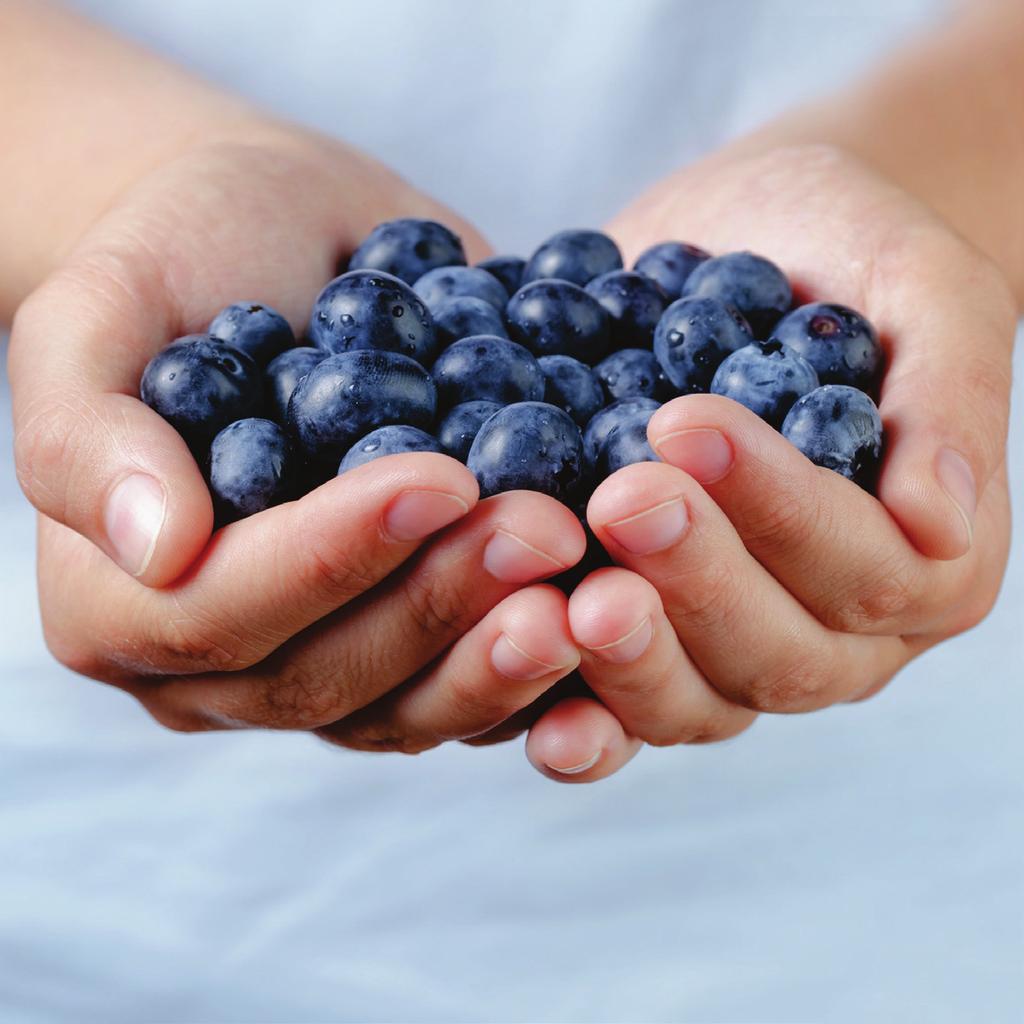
(579, 740)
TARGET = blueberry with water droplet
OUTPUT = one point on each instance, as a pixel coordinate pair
(552, 317)
(463, 316)
(577, 255)
(572, 386)
(252, 467)
(752, 284)
(507, 269)
(257, 330)
(462, 424)
(603, 422)
(408, 248)
(489, 368)
(446, 282)
(394, 439)
(633, 302)
(767, 378)
(669, 264)
(633, 373)
(283, 373)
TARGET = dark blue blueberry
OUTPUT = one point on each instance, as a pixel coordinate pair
(394, 439)
(462, 424)
(836, 340)
(369, 309)
(577, 256)
(408, 248)
(507, 269)
(283, 373)
(754, 285)
(449, 282)
(670, 264)
(633, 302)
(626, 443)
(347, 395)
(252, 467)
(838, 427)
(528, 446)
(598, 429)
(488, 368)
(258, 331)
(633, 373)
(554, 317)
(199, 387)
(767, 378)
(692, 339)
(463, 316)
(572, 386)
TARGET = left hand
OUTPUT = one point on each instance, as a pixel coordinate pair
(750, 580)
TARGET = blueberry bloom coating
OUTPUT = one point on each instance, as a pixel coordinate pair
(448, 282)
(572, 386)
(394, 439)
(462, 317)
(528, 446)
(507, 269)
(837, 341)
(490, 368)
(838, 427)
(669, 264)
(693, 338)
(252, 467)
(754, 285)
(634, 304)
(200, 386)
(408, 248)
(347, 395)
(767, 378)
(626, 443)
(462, 424)
(632, 373)
(598, 429)
(258, 331)
(283, 373)
(367, 309)
(552, 317)
(577, 256)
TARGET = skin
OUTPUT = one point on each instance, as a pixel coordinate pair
(762, 599)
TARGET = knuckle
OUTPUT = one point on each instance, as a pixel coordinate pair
(798, 684)
(45, 446)
(475, 707)
(436, 606)
(195, 639)
(881, 597)
(297, 699)
(771, 525)
(374, 737)
(343, 573)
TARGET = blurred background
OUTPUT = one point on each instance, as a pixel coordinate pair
(861, 863)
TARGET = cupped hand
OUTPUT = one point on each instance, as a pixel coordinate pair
(748, 579)
(306, 613)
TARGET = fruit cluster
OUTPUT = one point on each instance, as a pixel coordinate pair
(539, 374)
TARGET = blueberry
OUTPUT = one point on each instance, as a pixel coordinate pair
(200, 386)
(692, 339)
(489, 368)
(836, 340)
(576, 256)
(258, 331)
(369, 309)
(626, 443)
(767, 378)
(252, 467)
(528, 446)
(408, 248)
(838, 427)
(447, 282)
(507, 269)
(462, 424)
(633, 302)
(632, 373)
(670, 264)
(553, 317)
(598, 429)
(463, 316)
(347, 395)
(754, 285)
(572, 386)
(283, 373)
(394, 439)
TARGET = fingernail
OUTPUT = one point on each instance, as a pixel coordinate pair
(577, 768)
(133, 518)
(414, 515)
(653, 530)
(629, 647)
(957, 480)
(702, 452)
(511, 560)
(512, 661)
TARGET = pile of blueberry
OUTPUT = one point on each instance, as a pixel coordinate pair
(539, 374)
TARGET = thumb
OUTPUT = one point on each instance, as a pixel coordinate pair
(88, 453)
(945, 408)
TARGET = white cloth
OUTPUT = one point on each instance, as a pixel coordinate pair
(859, 864)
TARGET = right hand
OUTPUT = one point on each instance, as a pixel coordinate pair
(305, 613)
